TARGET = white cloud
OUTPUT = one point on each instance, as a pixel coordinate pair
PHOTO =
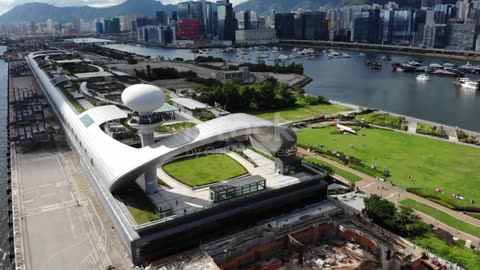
(6, 5)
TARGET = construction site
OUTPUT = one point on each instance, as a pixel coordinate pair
(326, 235)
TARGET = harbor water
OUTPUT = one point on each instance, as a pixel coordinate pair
(349, 80)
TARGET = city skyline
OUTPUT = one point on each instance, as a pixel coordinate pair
(6, 5)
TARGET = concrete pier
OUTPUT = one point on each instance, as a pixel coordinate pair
(58, 220)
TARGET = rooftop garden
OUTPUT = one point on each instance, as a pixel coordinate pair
(204, 169)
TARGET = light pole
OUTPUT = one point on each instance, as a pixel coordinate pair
(435, 223)
(456, 231)
(398, 199)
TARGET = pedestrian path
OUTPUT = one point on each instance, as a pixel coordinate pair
(370, 185)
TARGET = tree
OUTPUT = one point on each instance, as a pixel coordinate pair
(131, 60)
(265, 94)
(149, 72)
(380, 211)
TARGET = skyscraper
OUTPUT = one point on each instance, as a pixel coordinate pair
(284, 23)
(315, 26)
(386, 19)
(227, 24)
(366, 26)
(443, 13)
(162, 17)
(402, 27)
(209, 19)
(115, 27)
(99, 27)
(50, 26)
(183, 10)
(247, 20)
(76, 24)
(463, 9)
(197, 12)
(174, 16)
(107, 26)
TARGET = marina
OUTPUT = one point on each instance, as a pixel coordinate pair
(349, 80)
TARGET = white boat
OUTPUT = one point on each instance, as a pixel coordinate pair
(423, 77)
(459, 81)
(283, 57)
(345, 55)
(450, 65)
(334, 54)
(470, 85)
(229, 50)
(469, 67)
(414, 63)
(443, 72)
(362, 54)
(435, 66)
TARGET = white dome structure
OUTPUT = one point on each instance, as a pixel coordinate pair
(143, 98)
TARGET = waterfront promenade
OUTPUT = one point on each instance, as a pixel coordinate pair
(58, 221)
(434, 52)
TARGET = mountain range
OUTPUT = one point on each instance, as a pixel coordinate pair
(40, 12)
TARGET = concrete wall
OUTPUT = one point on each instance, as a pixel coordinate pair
(170, 237)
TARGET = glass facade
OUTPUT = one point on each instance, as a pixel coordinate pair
(386, 18)
(226, 192)
(315, 26)
(367, 26)
(360, 26)
(284, 23)
(402, 27)
(183, 10)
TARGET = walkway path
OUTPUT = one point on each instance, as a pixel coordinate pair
(413, 122)
(370, 185)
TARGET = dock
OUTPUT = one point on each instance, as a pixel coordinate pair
(57, 220)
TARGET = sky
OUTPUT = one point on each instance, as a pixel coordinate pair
(6, 5)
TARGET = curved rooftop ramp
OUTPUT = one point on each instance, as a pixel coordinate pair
(120, 164)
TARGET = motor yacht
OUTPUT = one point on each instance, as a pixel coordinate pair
(470, 85)
(423, 77)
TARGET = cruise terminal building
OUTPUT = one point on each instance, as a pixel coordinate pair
(190, 216)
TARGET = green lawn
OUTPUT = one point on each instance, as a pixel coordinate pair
(381, 119)
(301, 112)
(465, 257)
(203, 170)
(70, 98)
(175, 127)
(347, 175)
(442, 217)
(432, 163)
(138, 204)
(142, 216)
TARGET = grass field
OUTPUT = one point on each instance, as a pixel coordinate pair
(70, 98)
(381, 119)
(442, 217)
(465, 257)
(301, 112)
(175, 127)
(347, 175)
(138, 204)
(203, 170)
(431, 163)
